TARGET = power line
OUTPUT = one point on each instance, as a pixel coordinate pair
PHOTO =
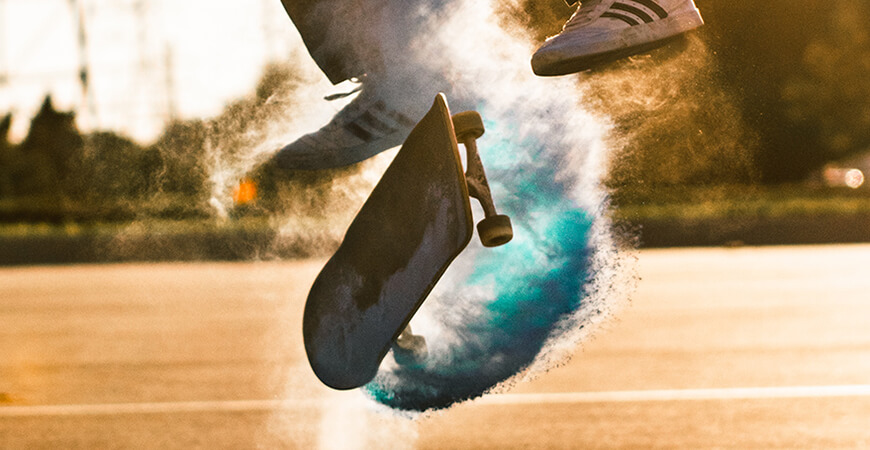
(169, 70)
(140, 80)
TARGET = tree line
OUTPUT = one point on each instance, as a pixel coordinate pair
(784, 91)
(57, 168)
(58, 174)
(766, 93)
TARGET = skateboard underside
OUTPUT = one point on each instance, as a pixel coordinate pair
(416, 221)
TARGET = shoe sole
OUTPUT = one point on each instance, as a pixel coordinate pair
(685, 22)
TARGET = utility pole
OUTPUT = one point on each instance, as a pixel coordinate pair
(142, 108)
(151, 105)
(169, 67)
(4, 68)
(88, 108)
(274, 21)
(266, 26)
(170, 103)
(140, 11)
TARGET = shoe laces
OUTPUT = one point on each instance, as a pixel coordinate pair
(340, 95)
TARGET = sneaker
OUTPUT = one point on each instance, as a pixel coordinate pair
(394, 94)
(368, 41)
(380, 117)
(603, 31)
(410, 349)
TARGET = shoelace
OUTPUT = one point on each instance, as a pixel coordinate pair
(338, 95)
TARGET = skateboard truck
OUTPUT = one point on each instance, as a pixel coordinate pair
(495, 229)
(410, 349)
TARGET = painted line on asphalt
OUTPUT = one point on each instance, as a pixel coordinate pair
(147, 408)
(751, 393)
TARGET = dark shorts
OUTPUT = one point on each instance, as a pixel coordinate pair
(339, 35)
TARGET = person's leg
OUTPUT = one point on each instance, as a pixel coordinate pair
(366, 41)
(603, 31)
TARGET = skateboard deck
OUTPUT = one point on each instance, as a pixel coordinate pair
(416, 221)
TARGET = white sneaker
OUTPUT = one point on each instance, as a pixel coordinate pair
(367, 40)
(603, 31)
(379, 118)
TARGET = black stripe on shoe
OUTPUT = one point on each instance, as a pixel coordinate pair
(400, 118)
(359, 132)
(632, 10)
(625, 19)
(368, 126)
(369, 119)
(654, 7)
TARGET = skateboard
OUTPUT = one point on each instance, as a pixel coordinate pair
(416, 221)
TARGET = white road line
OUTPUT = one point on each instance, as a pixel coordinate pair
(147, 408)
(860, 390)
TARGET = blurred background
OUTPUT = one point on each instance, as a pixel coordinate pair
(756, 130)
(127, 129)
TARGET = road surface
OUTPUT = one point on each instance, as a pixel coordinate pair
(750, 347)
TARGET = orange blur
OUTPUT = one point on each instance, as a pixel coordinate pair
(245, 192)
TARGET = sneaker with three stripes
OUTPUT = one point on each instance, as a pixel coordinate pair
(378, 118)
(368, 41)
(603, 31)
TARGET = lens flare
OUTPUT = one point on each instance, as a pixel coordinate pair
(245, 192)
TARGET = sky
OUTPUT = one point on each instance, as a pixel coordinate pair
(148, 60)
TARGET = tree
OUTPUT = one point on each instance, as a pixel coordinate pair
(182, 151)
(47, 151)
(6, 158)
(830, 94)
(674, 124)
(113, 167)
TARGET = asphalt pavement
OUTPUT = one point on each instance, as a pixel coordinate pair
(718, 348)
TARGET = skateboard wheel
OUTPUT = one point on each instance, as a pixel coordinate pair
(410, 349)
(495, 230)
(468, 124)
